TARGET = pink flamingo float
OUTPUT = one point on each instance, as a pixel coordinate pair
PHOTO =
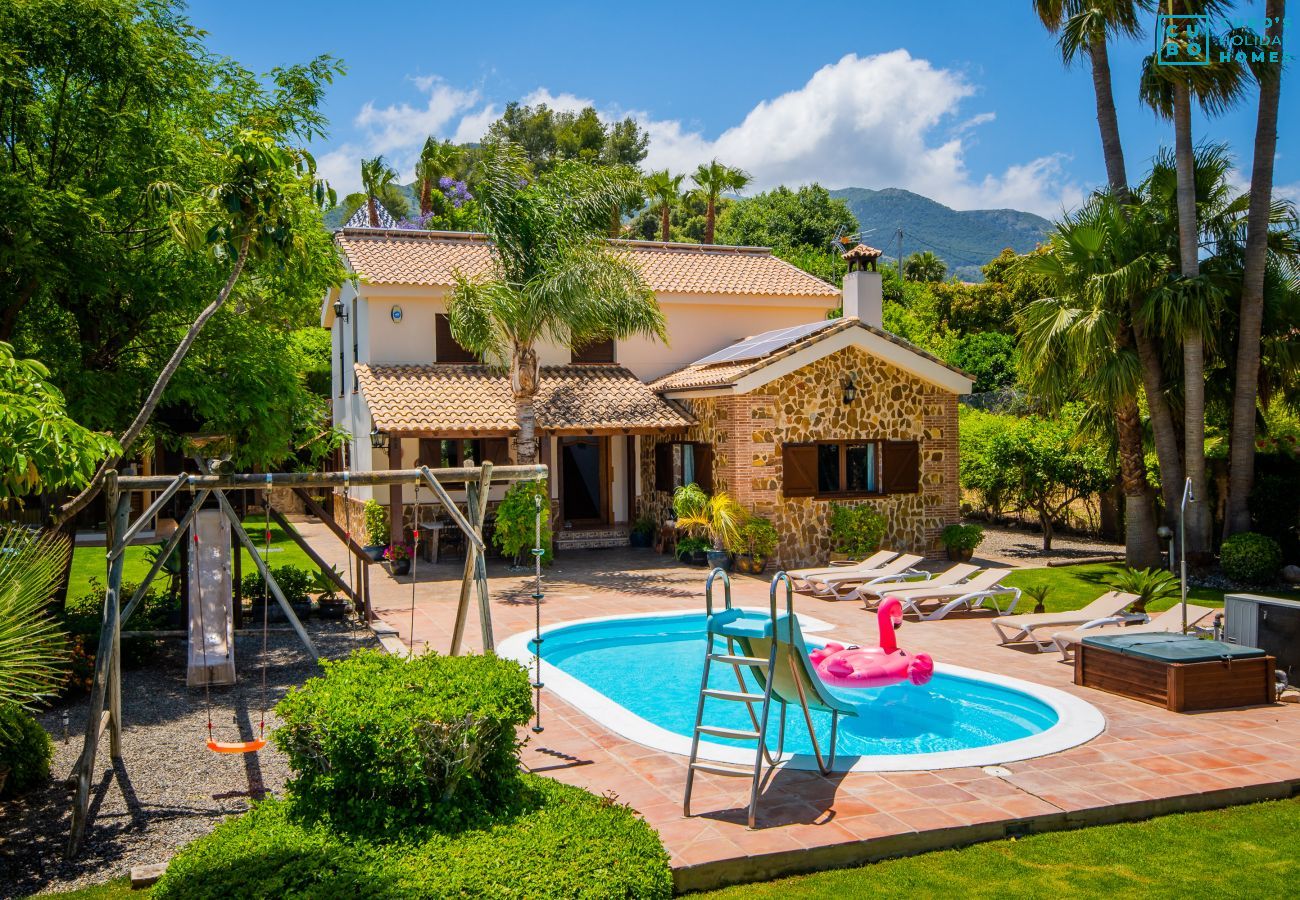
(863, 667)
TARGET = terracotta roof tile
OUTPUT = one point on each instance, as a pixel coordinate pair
(433, 258)
(462, 399)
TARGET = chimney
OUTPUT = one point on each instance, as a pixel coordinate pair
(863, 293)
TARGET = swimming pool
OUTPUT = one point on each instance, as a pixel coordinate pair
(639, 675)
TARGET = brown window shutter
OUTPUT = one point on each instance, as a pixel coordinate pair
(901, 464)
(496, 451)
(704, 467)
(663, 467)
(595, 352)
(445, 347)
(430, 453)
(799, 470)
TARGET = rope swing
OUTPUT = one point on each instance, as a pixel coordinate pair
(538, 553)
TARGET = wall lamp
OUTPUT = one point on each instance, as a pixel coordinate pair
(850, 386)
(340, 310)
(378, 439)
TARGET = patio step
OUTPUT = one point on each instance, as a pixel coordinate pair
(756, 661)
(724, 769)
(737, 696)
(738, 734)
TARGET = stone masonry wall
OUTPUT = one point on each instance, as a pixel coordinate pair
(807, 405)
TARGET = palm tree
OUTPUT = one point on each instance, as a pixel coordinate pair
(376, 176)
(666, 191)
(31, 646)
(925, 266)
(1169, 91)
(712, 179)
(554, 278)
(438, 158)
(1241, 461)
(1085, 26)
(1078, 345)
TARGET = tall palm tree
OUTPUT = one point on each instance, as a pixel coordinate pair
(1241, 460)
(665, 190)
(376, 176)
(924, 266)
(712, 179)
(554, 276)
(1078, 345)
(438, 158)
(1084, 27)
(1169, 91)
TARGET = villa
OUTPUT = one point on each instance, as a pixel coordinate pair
(756, 392)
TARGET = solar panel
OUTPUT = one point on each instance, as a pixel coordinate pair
(761, 345)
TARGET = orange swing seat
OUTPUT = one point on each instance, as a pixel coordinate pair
(236, 746)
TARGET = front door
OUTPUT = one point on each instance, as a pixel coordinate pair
(584, 487)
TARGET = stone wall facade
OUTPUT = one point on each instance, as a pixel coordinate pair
(747, 433)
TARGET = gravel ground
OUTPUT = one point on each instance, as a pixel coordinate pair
(1025, 548)
(169, 788)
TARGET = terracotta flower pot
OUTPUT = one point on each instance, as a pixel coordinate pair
(960, 554)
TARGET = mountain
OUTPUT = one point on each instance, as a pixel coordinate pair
(964, 239)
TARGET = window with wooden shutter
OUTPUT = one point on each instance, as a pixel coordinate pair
(595, 352)
(496, 451)
(901, 469)
(704, 467)
(799, 468)
(663, 467)
(446, 349)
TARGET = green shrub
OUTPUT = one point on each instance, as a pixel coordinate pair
(83, 617)
(25, 750)
(378, 528)
(645, 525)
(690, 545)
(689, 501)
(515, 532)
(380, 743)
(1150, 585)
(856, 530)
(1250, 558)
(295, 583)
(758, 538)
(556, 841)
(962, 537)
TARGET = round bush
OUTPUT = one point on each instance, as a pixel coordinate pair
(25, 749)
(856, 530)
(555, 841)
(380, 743)
(1250, 558)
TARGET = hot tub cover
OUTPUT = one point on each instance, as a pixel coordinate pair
(1172, 648)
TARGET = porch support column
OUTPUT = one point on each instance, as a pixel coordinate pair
(632, 472)
(395, 491)
(544, 457)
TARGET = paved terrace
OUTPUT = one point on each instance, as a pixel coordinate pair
(1148, 761)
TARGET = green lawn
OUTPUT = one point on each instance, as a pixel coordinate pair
(117, 889)
(1076, 586)
(88, 562)
(1245, 851)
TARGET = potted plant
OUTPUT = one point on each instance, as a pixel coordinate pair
(693, 550)
(643, 532)
(1038, 593)
(515, 528)
(378, 530)
(758, 539)
(856, 531)
(1150, 585)
(716, 519)
(961, 541)
(398, 558)
(328, 601)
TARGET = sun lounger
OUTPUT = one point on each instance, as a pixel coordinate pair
(871, 593)
(1105, 610)
(826, 585)
(985, 586)
(1170, 620)
(874, 561)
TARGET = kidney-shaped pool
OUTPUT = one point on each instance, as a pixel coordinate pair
(639, 675)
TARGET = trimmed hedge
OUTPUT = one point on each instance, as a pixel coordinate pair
(1250, 558)
(379, 744)
(25, 749)
(558, 841)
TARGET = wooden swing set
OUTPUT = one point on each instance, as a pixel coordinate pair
(106, 684)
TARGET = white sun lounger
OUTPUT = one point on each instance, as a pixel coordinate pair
(987, 585)
(1170, 620)
(874, 561)
(826, 585)
(1105, 610)
(871, 593)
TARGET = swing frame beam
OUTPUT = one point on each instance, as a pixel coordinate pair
(106, 683)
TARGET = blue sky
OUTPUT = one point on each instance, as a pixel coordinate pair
(964, 102)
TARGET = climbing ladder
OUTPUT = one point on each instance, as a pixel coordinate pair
(746, 634)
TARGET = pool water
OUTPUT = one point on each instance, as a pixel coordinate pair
(651, 666)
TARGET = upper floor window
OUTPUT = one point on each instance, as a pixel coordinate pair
(595, 352)
(445, 346)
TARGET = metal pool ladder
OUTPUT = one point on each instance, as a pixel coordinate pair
(729, 626)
